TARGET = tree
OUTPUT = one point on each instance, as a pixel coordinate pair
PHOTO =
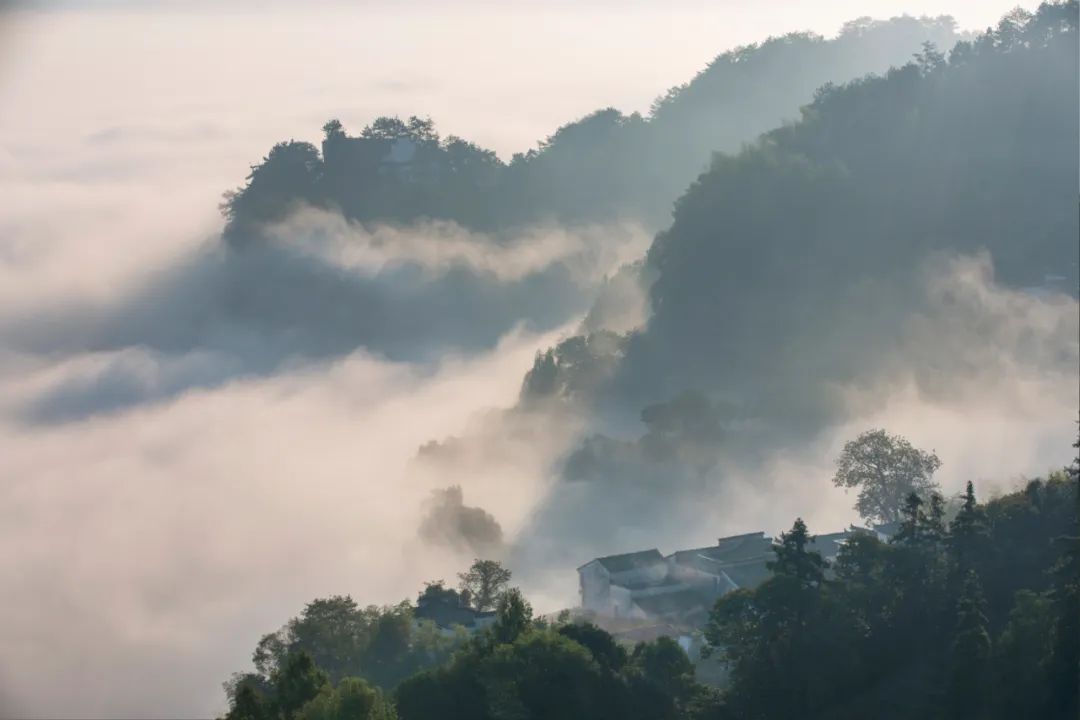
(386, 128)
(333, 129)
(514, 615)
(335, 632)
(1064, 660)
(929, 59)
(912, 522)
(422, 130)
(769, 635)
(299, 681)
(970, 654)
(1019, 681)
(968, 534)
(389, 645)
(286, 177)
(485, 581)
(795, 561)
(248, 704)
(352, 699)
(886, 469)
(665, 666)
(605, 650)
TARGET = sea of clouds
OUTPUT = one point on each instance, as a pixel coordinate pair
(182, 465)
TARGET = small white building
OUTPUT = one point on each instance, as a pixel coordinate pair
(608, 584)
(680, 587)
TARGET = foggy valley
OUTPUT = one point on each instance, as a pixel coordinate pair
(518, 353)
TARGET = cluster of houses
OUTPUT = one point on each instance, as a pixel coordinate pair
(642, 595)
(680, 588)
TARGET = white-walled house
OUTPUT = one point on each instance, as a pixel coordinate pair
(608, 584)
(683, 586)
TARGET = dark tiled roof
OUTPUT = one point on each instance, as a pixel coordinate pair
(642, 584)
(829, 544)
(631, 561)
(677, 602)
(749, 574)
(727, 550)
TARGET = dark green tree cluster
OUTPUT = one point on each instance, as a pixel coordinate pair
(799, 261)
(301, 690)
(819, 236)
(520, 667)
(536, 671)
(604, 166)
(975, 619)
(382, 645)
(971, 619)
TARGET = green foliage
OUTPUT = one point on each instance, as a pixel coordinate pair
(906, 626)
(382, 646)
(298, 681)
(1020, 653)
(513, 616)
(771, 636)
(970, 659)
(547, 674)
(1064, 663)
(287, 177)
(891, 630)
(248, 704)
(886, 469)
(571, 368)
(352, 699)
(798, 262)
(968, 535)
(601, 645)
(603, 166)
(484, 581)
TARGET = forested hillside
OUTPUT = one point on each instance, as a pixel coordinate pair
(818, 231)
(825, 230)
(917, 227)
(605, 166)
(974, 618)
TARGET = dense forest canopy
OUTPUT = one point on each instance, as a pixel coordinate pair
(604, 166)
(974, 617)
(824, 230)
(914, 229)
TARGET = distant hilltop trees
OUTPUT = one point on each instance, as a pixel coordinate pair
(606, 165)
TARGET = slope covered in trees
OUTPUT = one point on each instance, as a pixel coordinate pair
(825, 230)
(914, 231)
(605, 166)
(947, 620)
(969, 618)
(977, 152)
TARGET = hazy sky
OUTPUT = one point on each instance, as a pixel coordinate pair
(144, 552)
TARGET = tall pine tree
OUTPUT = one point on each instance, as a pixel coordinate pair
(970, 657)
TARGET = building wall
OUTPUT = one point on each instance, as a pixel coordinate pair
(595, 585)
(688, 574)
(622, 604)
(658, 590)
(649, 573)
